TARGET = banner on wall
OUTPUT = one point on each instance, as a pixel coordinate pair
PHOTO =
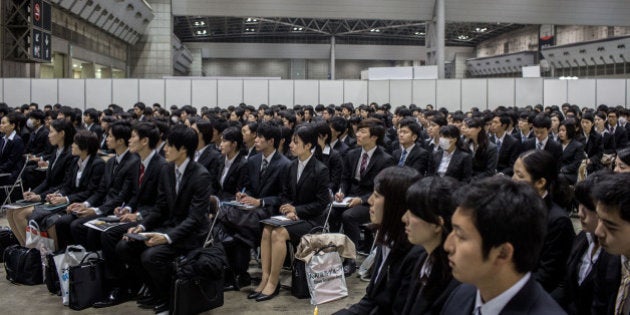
(546, 38)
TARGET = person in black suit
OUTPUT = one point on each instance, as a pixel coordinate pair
(140, 210)
(206, 153)
(434, 123)
(541, 141)
(427, 224)
(118, 185)
(304, 197)
(588, 261)
(105, 125)
(525, 123)
(572, 151)
(507, 145)
(613, 211)
(249, 138)
(138, 111)
(484, 153)
(452, 160)
(338, 125)
(608, 139)
(538, 169)
(498, 230)
(410, 152)
(361, 165)
(38, 143)
(592, 141)
(90, 119)
(395, 257)
(621, 137)
(181, 223)
(327, 155)
(61, 134)
(233, 162)
(11, 149)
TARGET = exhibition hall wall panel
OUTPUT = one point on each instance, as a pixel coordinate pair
(281, 92)
(611, 92)
(474, 94)
(582, 92)
(355, 91)
(72, 92)
(555, 92)
(151, 91)
(528, 91)
(424, 92)
(378, 91)
(449, 94)
(230, 92)
(255, 92)
(306, 92)
(500, 92)
(44, 92)
(18, 92)
(125, 92)
(400, 92)
(330, 92)
(177, 92)
(204, 93)
(98, 93)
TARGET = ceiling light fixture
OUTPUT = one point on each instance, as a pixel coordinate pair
(199, 23)
(201, 32)
(297, 29)
(375, 30)
(463, 37)
(419, 33)
(481, 29)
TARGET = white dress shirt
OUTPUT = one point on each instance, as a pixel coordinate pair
(496, 305)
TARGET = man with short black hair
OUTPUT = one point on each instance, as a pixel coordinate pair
(498, 232)
(621, 137)
(410, 152)
(38, 143)
(338, 127)
(507, 146)
(541, 140)
(206, 154)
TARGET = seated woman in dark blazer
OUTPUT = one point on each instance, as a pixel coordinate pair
(233, 161)
(304, 197)
(452, 160)
(592, 141)
(11, 149)
(327, 155)
(587, 260)
(395, 256)
(572, 151)
(428, 223)
(484, 153)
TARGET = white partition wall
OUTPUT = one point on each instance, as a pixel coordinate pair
(528, 91)
(306, 92)
(454, 94)
(255, 92)
(449, 94)
(581, 92)
(474, 94)
(424, 92)
(177, 91)
(204, 93)
(555, 92)
(400, 92)
(611, 92)
(44, 91)
(98, 93)
(72, 92)
(125, 92)
(330, 92)
(355, 91)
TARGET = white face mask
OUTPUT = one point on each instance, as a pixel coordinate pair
(174, 119)
(623, 120)
(445, 143)
(29, 123)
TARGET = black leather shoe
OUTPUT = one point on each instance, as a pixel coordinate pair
(349, 267)
(243, 280)
(230, 287)
(163, 307)
(149, 302)
(116, 296)
(253, 295)
(264, 297)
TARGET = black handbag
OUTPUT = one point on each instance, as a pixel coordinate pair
(7, 238)
(299, 285)
(51, 277)
(23, 265)
(86, 282)
(194, 296)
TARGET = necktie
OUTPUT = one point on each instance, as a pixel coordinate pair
(115, 168)
(624, 289)
(478, 310)
(141, 175)
(364, 162)
(499, 145)
(3, 141)
(403, 156)
(178, 179)
(539, 146)
(263, 168)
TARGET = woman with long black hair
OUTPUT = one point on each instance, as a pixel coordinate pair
(484, 153)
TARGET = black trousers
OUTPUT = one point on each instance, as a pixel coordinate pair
(115, 269)
(352, 220)
(238, 255)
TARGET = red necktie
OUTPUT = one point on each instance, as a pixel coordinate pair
(141, 175)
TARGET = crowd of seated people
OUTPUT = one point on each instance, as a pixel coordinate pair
(461, 210)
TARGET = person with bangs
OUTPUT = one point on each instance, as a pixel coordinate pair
(484, 153)
(427, 223)
(572, 151)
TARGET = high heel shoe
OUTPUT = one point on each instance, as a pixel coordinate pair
(264, 297)
(253, 295)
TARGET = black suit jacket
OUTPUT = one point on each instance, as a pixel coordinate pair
(269, 188)
(621, 137)
(56, 175)
(418, 158)
(510, 148)
(387, 291)
(11, 160)
(552, 264)
(460, 166)
(606, 285)
(531, 300)
(363, 187)
(184, 216)
(608, 141)
(552, 147)
(96, 129)
(334, 165)
(484, 162)
(211, 159)
(594, 147)
(232, 184)
(350, 142)
(38, 143)
(341, 147)
(144, 200)
(310, 194)
(572, 156)
(118, 185)
(89, 182)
